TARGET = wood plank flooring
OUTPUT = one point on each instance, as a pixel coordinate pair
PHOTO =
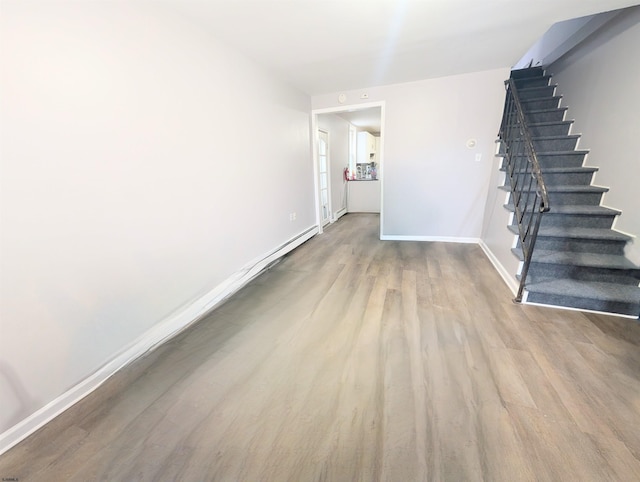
(355, 359)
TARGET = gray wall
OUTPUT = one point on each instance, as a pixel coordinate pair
(497, 240)
(143, 164)
(338, 130)
(600, 82)
(432, 184)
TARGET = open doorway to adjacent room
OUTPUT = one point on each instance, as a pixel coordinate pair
(348, 155)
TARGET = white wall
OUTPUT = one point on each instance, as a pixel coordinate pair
(338, 130)
(599, 83)
(497, 240)
(433, 186)
(557, 35)
(562, 37)
(143, 164)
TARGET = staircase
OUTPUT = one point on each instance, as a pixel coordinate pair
(578, 260)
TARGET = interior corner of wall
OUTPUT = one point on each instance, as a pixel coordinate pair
(632, 251)
(507, 277)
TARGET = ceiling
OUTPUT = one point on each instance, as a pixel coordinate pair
(368, 119)
(323, 46)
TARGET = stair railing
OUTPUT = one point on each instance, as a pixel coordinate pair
(528, 191)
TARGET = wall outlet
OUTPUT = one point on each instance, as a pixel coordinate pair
(292, 216)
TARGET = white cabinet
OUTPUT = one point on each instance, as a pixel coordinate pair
(366, 148)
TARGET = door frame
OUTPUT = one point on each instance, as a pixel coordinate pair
(329, 219)
(316, 164)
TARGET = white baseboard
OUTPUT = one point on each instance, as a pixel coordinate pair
(338, 214)
(509, 280)
(154, 337)
(439, 239)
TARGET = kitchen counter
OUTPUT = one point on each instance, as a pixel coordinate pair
(364, 196)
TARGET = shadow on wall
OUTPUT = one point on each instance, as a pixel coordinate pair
(25, 404)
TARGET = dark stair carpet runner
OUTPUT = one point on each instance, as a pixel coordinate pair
(578, 261)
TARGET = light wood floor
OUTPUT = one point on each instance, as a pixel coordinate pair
(356, 359)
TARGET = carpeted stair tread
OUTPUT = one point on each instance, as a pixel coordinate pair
(568, 188)
(591, 260)
(628, 278)
(530, 74)
(549, 138)
(551, 109)
(560, 170)
(530, 78)
(576, 152)
(531, 89)
(537, 92)
(556, 126)
(554, 153)
(542, 97)
(550, 143)
(579, 209)
(577, 188)
(550, 127)
(550, 123)
(537, 71)
(578, 233)
(560, 153)
(587, 289)
(537, 99)
(586, 210)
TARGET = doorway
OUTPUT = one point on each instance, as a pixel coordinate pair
(323, 175)
(349, 182)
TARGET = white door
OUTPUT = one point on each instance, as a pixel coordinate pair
(323, 171)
